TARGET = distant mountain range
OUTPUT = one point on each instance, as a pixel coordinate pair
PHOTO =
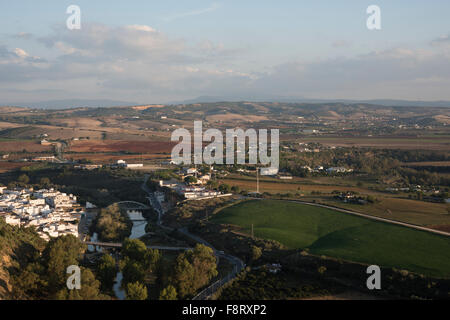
(79, 103)
(381, 102)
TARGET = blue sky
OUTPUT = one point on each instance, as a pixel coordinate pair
(159, 51)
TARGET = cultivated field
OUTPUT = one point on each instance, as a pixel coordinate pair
(335, 234)
(235, 117)
(295, 185)
(123, 145)
(407, 143)
(106, 158)
(20, 145)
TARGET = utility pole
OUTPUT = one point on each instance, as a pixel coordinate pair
(257, 180)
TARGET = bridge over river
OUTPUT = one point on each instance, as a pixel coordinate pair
(119, 245)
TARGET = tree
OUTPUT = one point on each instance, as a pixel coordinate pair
(132, 271)
(90, 289)
(29, 282)
(168, 293)
(190, 179)
(256, 253)
(45, 182)
(152, 259)
(136, 291)
(60, 253)
(134, 249)
(322, 270)
(212, 184)
(138, 261)
(194, 269)
(183, 276)
(106, 271)
(225, 188)
(235, 189)
(112, 224)
(23, 179)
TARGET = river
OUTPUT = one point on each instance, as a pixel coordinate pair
(137, 231)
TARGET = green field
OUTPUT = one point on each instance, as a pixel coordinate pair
(335, 234)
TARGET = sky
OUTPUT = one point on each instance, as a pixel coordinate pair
(164, 51)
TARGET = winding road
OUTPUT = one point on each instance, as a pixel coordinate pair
(238, 264)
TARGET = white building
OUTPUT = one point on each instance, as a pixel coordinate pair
(269, 171)
(134, 165)
(338, 170)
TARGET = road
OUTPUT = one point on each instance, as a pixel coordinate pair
(238, 264)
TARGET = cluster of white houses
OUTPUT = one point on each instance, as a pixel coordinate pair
(191, 192)
(330, 170)
(118, 164)
(51, 212)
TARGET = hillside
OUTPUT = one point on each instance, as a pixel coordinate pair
(17, 245)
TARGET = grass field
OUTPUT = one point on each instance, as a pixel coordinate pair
(389, 206)
(280, 186)
(124, 145)
(335, 234)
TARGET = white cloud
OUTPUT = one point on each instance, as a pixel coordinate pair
(140, 28)
(138, 62)
(366, 75)
(20, 53)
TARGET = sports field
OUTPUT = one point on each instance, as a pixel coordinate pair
(335, 234)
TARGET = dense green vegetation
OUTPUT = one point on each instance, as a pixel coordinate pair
(144, 270)
(101, 186)
(30, 268)
(168, 293)
(139, 265)
(106, 272)
(327, 232)
(136, 291)
(261, 285)
(377, 163)
(112, 224)
(18, 248)
(193, 270)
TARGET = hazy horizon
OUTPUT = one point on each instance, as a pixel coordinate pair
(165, 52)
